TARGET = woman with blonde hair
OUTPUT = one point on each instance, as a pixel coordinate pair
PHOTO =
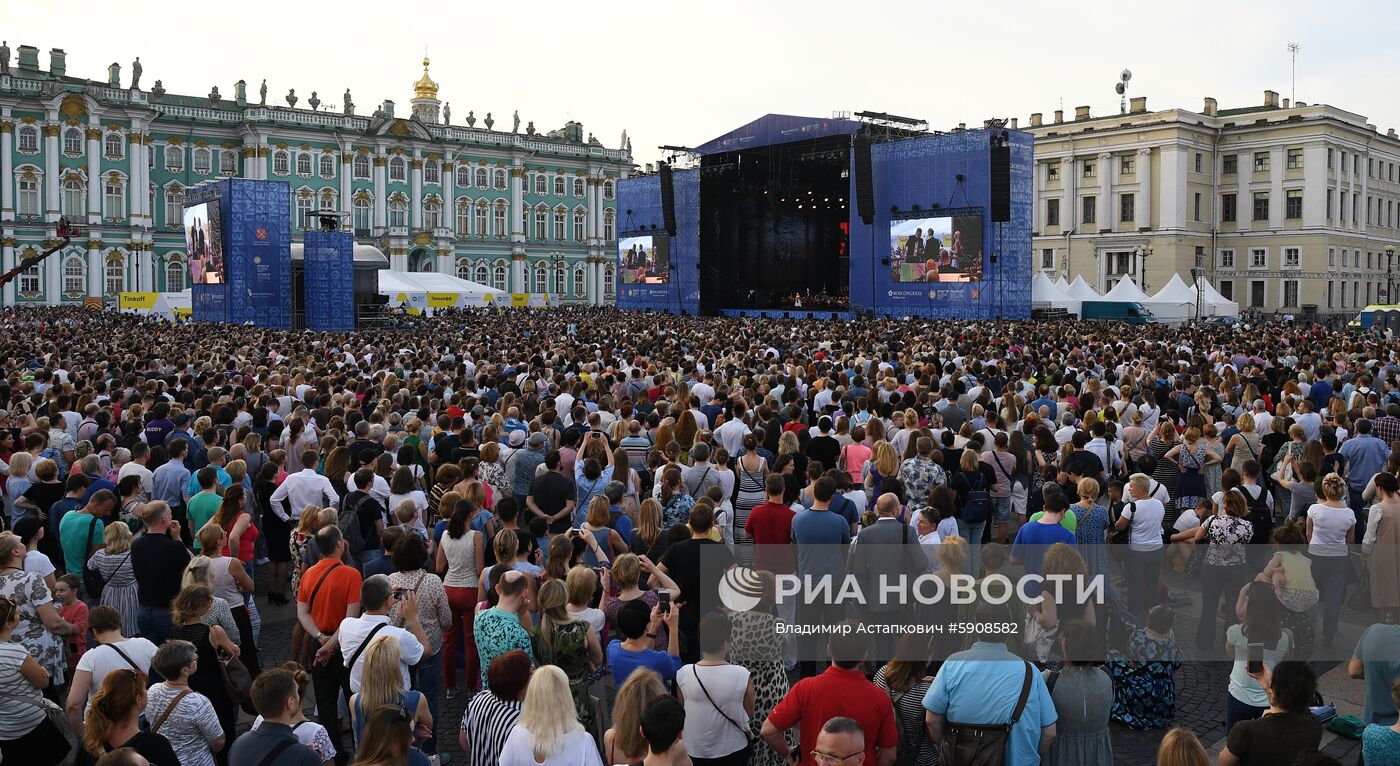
(623, 743)
(112, 563)
(648, 536)
(627, 572)
(568, 643)
(1329, 529)
(596, 521)
(883, 464)
(381, 683)
(388, 742)
(1244, 445)
(1180, 747)
(549, 734)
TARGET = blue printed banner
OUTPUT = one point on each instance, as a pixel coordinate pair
(328, 280)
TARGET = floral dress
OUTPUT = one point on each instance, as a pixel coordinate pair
(1089, 532)
(29, 592)
(756, 647)
(1213, 472)
(1144, 685)
(569, 652)
(677, 510)
(299, 544)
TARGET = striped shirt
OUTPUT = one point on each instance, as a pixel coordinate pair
(17, 718)
(488, 721)
(191, 726)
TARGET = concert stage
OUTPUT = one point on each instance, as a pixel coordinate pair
(787, 314)
(774, 214)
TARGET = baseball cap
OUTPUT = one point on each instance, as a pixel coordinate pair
(536, 439)
(181, 419)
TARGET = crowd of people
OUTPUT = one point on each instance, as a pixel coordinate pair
(513, 507)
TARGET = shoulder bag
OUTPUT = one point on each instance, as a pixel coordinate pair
(748, 735)
(155, 727)
(966, 744)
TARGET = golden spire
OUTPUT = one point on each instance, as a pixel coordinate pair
(425, 87)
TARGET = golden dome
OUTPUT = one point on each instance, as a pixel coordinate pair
(425, 87)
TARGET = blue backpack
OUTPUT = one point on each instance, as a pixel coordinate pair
(979, 501)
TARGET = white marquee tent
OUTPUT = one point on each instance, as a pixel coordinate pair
(1081, 291)
(1127, 291)
(1176, 301)
(420, 290)
(1046, 294)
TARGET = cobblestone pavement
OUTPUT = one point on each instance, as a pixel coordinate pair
(1201, 687)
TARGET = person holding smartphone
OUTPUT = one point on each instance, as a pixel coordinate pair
(1261, 631)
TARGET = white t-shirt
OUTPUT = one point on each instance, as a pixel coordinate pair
(102, 659)
(353, 631)
(1146, 528)
(707, 733)
(1330, 526)
(38, 563)
(1187, 520)
(139, 470)
(579, 750)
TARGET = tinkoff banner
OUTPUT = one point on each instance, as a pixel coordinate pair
(328, 280)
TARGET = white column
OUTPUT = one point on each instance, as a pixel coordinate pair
(138, 191)
(595, 292)
(517, 203)
(517, 274)
(94, 176)
(1142, 214)
(1244, 207)
(447, 177)
(1365, 207)
(95, 270)
(1315, 185)
(590, 197)
(381, 216)
(250, 157)
(1109, 211)
(415, 205)
(347, 204)
(1276, 200)
(7, 262)
(1173, 193)
(53, 278)
(444, 263)
(7, 170)
(52, 183)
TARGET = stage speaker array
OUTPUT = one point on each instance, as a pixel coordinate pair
(668, 199)
(1001, 183)
(865, 187)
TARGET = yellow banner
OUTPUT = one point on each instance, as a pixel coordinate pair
(519, 299)
(92, 302)
(137, 300)
(442, 300)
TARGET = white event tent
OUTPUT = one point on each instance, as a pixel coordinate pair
(420, 290)
(1127, 291)
(1046, 294)
(1080, 290)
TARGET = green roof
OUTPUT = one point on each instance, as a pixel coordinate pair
(1246, 110)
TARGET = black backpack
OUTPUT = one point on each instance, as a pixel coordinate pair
(349, 519)
(979, 501)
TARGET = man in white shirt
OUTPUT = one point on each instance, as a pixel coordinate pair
(1308, 419)
(1263, 421)
(140, 453)
(1066, 430)
(356, 634)
(731, 433)
(303, 488)
(1144, 564)
(702, 389)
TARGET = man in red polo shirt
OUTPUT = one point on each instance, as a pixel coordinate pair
(841, 691)
(769, 526)
(329, 593)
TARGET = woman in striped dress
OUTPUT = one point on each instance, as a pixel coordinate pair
(752, 469)
(1165, 472)
(113, 564)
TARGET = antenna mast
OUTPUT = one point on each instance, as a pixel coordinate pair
(1293, 49)
(1121, 88)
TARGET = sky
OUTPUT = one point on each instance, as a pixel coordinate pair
(683, 73)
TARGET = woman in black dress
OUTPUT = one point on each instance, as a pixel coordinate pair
(189, 606)
(276, 532)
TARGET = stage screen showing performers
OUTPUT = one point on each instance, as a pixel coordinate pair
(936, 249)
(203, 243)
(644, 260)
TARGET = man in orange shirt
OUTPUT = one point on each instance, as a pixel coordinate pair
(330, 592)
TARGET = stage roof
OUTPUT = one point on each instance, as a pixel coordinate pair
(773, 129)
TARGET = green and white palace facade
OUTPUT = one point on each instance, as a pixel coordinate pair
(517, 209)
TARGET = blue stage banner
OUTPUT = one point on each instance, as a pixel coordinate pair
(641, 227)
(773, 129)
(209, 303)
(328, 280)
(257, 225)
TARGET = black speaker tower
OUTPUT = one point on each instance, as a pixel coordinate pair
(668, 199)
(865, 188)
(1001, 183)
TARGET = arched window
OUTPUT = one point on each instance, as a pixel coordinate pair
(481, 178)
(115, 281)
(498, 220)
(174, 158)
(580, 282)
(580, 230)
(114, 199)
(558, 186)
(327, 199)
(326, 165)
(609, 221)
(304, 202)
(607, 190)
(561, 278)
(228, 162)
(29, 279)
(578, 187)
(464, 269)
(561, 217)
(541, 219)
(541, 184)
(398, 212)
(303, 164)
(541, 278)
(74, 275)
(500, 181)
(281, 163)
(398, 169)
(72, 141)
(483, 274)
(432, 172)
(175, 272)
(74, 197)
(432, 213)
(608, 281)
(28, 187)
(360, 167)
(464, 177)
(28, 139)
(498, 276)
(479, 223)
(361, 214)
(113, 147)
(203, 161)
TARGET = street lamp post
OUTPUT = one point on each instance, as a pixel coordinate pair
(1389, 273)
(1142, 252)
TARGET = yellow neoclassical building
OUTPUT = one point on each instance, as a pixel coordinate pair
(1288, 207)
